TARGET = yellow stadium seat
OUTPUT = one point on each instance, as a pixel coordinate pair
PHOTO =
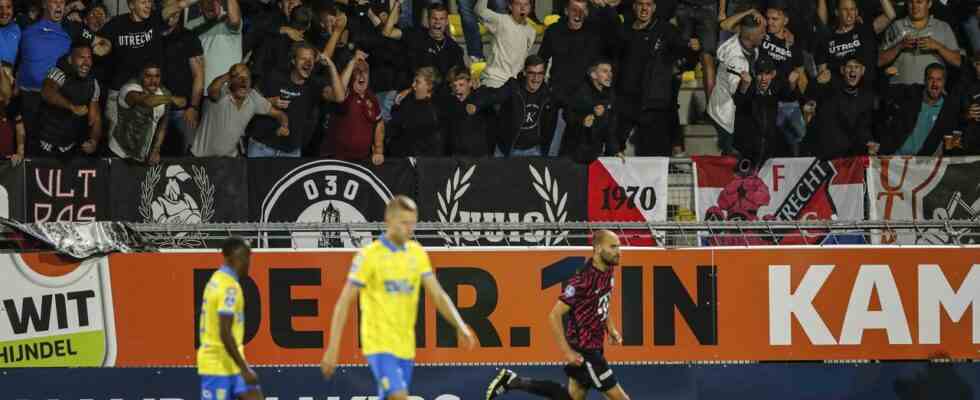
(688, 76)
(476, 69)
(456, 26)
(539, 29)
(551, 19)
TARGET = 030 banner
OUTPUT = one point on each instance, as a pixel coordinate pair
(670, 305)
(783, 189)
(924, 188)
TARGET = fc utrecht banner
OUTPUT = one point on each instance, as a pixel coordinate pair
(298, 190)
(133, 310)
(924, 188)
(633, 190)
(501, 190)
(783, 189)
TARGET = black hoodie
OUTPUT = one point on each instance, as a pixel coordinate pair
(512, 98)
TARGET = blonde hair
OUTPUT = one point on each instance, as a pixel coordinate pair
(401, 203)
(429, 74)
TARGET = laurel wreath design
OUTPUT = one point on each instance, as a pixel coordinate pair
(554, 202)
(204, 187)
(449, 204)
(545, 185)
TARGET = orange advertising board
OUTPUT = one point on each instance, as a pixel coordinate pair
(670, 305)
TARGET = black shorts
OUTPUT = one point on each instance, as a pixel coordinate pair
(594, 373)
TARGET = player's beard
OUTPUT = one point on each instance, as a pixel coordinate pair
(609, 260)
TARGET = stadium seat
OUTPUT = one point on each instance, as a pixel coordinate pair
(456, 27)
(476, 69)
(551, 19)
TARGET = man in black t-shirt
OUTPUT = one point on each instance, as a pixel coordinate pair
(183, 74)
(780, 47)
(130, 41)
(850, 38)
(297, 93)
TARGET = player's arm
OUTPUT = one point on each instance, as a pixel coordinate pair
(614, 336)
(447, 309)
(225, 321)
(337, 322)
(557, 328)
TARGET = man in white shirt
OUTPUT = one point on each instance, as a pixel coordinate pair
(513, 37)
(738, 54)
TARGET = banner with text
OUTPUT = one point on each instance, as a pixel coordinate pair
(670, 305)
(924, 188)
(783, 189)
(298, 190)
(501, 190)
(73, 191)
(634, 190)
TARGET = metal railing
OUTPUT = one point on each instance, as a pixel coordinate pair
(662, 234)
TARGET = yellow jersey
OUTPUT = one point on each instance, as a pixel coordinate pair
(389, 278)
(222, 296)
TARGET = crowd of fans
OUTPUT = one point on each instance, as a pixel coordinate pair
(366, 79)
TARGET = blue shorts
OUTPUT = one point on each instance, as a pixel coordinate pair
(392, 374)
(227, 387)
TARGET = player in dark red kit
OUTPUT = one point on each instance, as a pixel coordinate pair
(585, 303)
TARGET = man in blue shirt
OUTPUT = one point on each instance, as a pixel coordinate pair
(9, 33)
(42, 44)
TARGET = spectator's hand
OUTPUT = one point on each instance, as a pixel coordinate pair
(794, 77)
(908, 42)
(721, 15)
(101, 46)
(401, 96)
(16, 158)
(154, 157)
(824, 76)
(694, 44)
(295, 34)
(80, 111)
(930, 44)
(873, 148)
(281, 104)
(178, 101)
(761, 19)
(377, 159)
(599, 3)
(76, 5)
(90, 146)
(622, 156)
(790, 38)
(598, 110)
(191, 116)
(745, 81)
(973, 113)
(283, 131)
(891, 71)
(74, 17)
(326, 61)
(589, 120)
(360, 55)
(340, 24)
(394, 5)
(470, 109)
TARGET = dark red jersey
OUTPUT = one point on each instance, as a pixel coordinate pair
(588, 293)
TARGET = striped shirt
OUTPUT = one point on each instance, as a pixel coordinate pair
(588, 293)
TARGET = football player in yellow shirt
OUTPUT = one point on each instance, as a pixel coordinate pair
(225, 375)
(388, 275)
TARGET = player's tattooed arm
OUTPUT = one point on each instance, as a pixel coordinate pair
(347, 296)
(448, 310)
(558, 329)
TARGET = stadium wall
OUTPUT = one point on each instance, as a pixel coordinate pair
(745, 316)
